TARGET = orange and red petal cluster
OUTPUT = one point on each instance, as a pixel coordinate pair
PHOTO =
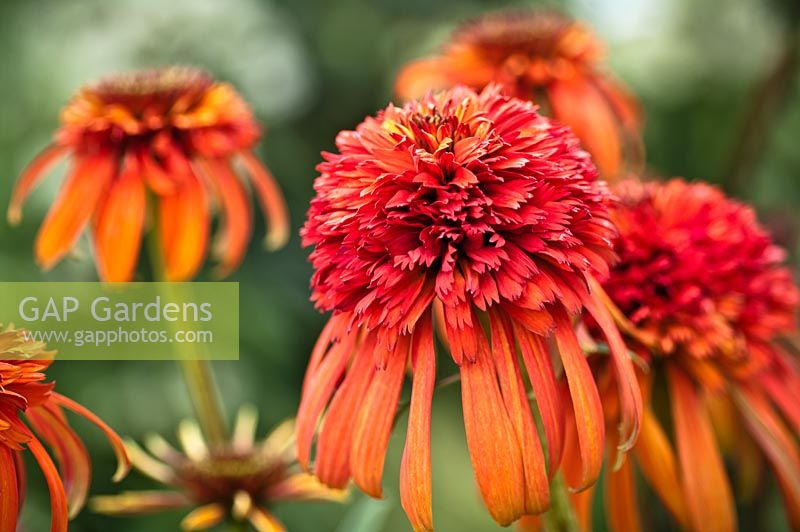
(165, 141)
(546, 57)
(703, 288)
(32, 413)
(473, 207)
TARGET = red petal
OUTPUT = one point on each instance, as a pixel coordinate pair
(118, 226)
(585, 400)
(30, 177)
(375, 421)
(415, 468)
(58, 498)
(708, 493)
(234, 234)
(73, 207)
(504, 353)
(272, 203)
(9, 491)
(493, 448)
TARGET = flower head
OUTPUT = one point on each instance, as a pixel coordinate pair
(703, 296)
(239, 481)
(473, 208)
(32, 412)
(174, 133)
(541, 56)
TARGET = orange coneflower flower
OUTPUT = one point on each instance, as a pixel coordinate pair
(29, 411)
(238, 481)
(476, 208)
(173, 132)
(546, 57)
(703, 297)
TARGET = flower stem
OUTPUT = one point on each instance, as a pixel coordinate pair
(560, 517)
(197, 372)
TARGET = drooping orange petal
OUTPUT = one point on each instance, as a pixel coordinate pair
(9, 491)
(118, 225)
(420, 77)
(335, 437)
(30, 177)
(184, 223)
(318, 392)
(512, 388)
(204, 517)
(493, 448)
(622, 505)
(263, 521)
(71, 453)
(273, 205)
(375, 420)
(581, 106)
(572, 467)
(73, 207)
(138, 502)
(585, 400)
(415, 468)
(123, 461)
(539, 367)
(303, 487)
(656, 460)
(708, 494)
(59, 513)
(234, 234)
(630, 396)
(777, 443)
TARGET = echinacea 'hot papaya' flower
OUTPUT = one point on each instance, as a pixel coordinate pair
(239, 481)
(476, 209)
(703, 298)
(545, 57)
(173, 133)
(31, 412)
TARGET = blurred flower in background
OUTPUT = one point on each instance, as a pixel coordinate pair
(173, 132)
(27, 401)
(704, 299)
(546, 57)
(240, 481)
(476, 208)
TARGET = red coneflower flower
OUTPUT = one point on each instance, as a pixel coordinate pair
(173, 132)
(30, 410)
(546, 57)
(238, 481)
(473, 207)
(704, 299)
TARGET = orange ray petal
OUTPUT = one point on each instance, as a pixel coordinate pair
(504, 353)
(376, 419)
(9, 491)
(138, 502)
(273, 205)
(777, 443)
(118, 226)
(263, 521)
(539, 367)
(318, 392)
(630, 395)
(184, 222)
(73, 207)
(493, 449)
(415, 468)
(708, 494)
(336, 435)
(585, 400)
(420, 77)
(234, 235)
(123, 462)
(656, 460)
(30, 177)
(59, 513)
(204, 517)
(304, 487)
(581, 106)
(622, 505)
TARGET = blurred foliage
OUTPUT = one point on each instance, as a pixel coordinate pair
(311, 68)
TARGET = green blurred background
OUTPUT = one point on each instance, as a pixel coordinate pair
(311, 68)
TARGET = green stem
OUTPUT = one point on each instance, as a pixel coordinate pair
(197, 372)
(561, 516)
